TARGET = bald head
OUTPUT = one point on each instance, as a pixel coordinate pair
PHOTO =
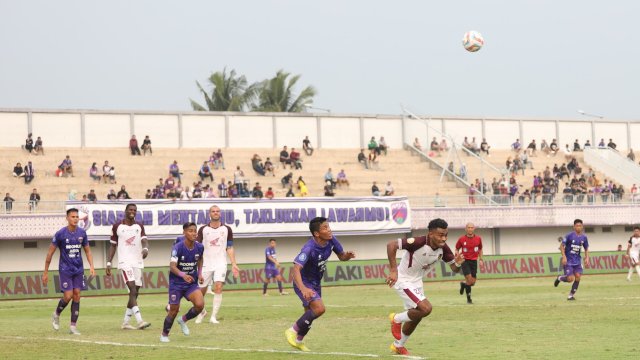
(214, 213)
(470, 229)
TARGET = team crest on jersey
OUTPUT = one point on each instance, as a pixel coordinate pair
(399, 212)
(174, 253)
(182, 257)
(173, 297)
(197, 257)
(67, 241)
(64, 284)
(302, 256)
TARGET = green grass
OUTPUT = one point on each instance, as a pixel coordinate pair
(510, 319)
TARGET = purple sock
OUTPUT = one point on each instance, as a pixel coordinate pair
(280, 286)
(189, 315)
(168, 323)
(264, 288)
(61, 306)
(562, 278)
(574, 287)
(75, 312)
(304, 323)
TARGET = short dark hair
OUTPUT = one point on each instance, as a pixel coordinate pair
(636, 227)
(132, 204)
(314, 224)
(577, 221)
(437, 224)
(188, 224)
(70, 210)
(270, 240)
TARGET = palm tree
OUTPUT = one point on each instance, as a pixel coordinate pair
(230, 93)
(276, 94)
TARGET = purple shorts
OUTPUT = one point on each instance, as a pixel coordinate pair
(572, 269)
(316, 296)
(69, 282)
(177, 293)
(271, 273)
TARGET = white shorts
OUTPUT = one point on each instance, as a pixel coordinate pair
(219, 274)
(411, 294)
(634, 258)
(132, 274)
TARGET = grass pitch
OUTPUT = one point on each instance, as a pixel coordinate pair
(510, 319)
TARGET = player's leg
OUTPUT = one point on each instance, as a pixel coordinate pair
(418, 307)
(567, 277)
(267, 278)
(66, 285)
(197, 299)
(134, 290)
(280, 280)
(574, 287)
(217, 299)
(78, 285)
(314, 308)
(174, 307)
(207, 276)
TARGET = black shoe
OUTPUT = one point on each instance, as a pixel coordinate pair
(469, 300)
(462, 288)
(555, 283)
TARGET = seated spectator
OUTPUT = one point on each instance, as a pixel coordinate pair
(93, 172)
(223, 189)
(133, 145)
(205, 172)
(611, 144)
(112, 175)
(373, 159)
(306, 146)
(105, 171)
(303, 187)
(375, 191)
(178, 188)
(567, 152)
(197, 191)
(268, 167)
(553, 148)
(295, 159)
(286, 180)
(38, 149)
(148, 194)
(256, 164)
(587, 145)
(123, 194)
(18, 171)
(207, 192)
(601, 144)
(382, 146)
(8, 203)
(257, 193)
(185, 194)
(219, 160)
(146, 146)
(631, 156)
(112, 195)
(174, 170)
(290, 192)
(91, 196)
(269, 193)
(473, 146)
(85, 198)
(434, 146)
(532, 147)
(284, 157)
(466, 144)
(238, 180)
(342, 178)
(169, 185)
(233, 190)
(443, 145)
(29, 173)
(544, 147)
(416, 144)
(362, 158)
(576, 146)
(484, 146)
(34, 199)
(328, 189)
(29, 143)
(328, 176)
(373, 145)
(388, 190)
(66, 167)
(526, 162)
(516, 146)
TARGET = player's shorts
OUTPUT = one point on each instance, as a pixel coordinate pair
(132, 274)
(69, 282)
(410, 293)
(572, 269)
(219, 274)
(635, 258)
(470, 267)
(176, 293)
(316, 296)
(271, 273)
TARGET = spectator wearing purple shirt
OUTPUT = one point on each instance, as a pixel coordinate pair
(570, 249)
(309, 267)
(93, 172)
(205, 172)
(70, 240)
(223, 190)
(219, 160)
(174, 170)
(66, 166)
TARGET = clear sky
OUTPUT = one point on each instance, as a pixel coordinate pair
(541, 57)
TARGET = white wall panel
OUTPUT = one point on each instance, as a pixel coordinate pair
(458, 129)
(391, 129)
(108, 130)
(538, 130)
(634, 129)
(615, 131)
(500, 134)
(251, 132)
(570, 131)
(162, 130)
(290, 131)
(340, 133)
(57, 130)
(15, 127)
(203, 131)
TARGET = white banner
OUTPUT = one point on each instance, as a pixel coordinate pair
(253, 218)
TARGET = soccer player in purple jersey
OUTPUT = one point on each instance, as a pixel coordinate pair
(272, 268)
(308, 269)
(70, 239)
(185, 271)
(570, 248)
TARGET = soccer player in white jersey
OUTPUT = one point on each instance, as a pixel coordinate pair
(218, 243)
(422, 253)
(129, 238)
(633, 250)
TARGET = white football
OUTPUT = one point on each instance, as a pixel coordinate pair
(472, 41)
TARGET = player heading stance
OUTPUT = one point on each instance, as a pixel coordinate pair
(308, 269)
(217, 240)
(570, 249)
(129, 238)
(471, 246)
(633, 251)
(185, 267)
(421, 254)
(272, 268)
(70, 239)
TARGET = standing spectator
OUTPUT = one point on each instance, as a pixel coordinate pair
(112, 175)
(205, 172)
(29, 173)
(303, 187)
(238, 179)
(92, 196)
(223, 189)
(375, 191)
(174, 170)
(631, 156)
(295, 159)
(105, 171)
(269, 194)
(342, 178)
(93, 172)
(34, 199)
(576, 146)
(328, 177)
(416, 144)
(268, 167)
(284, 157)
(306, 146)
(463, 171)
(133, 145)
(531, 148)
(66, 167)
(611, 144)
(362, 158)
(28, 145)
(256, 193)
(18, 171)
(112, 195)
(219, 160)
(8, 203)
(286, 180)
(146, 146)
(484, 146)
(382, 146)
(123, 194)
(169, 185)
(256, 164)
(38, 149)
(389, 190)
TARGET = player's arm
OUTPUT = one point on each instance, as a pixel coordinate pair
(47, 262)
(297, 279)
(112, 249)
(564, 256)
(346, 255)
(87, 251)
(454, 261)
(480, 254)
(586, 255)
(173, 267)
(392, 250)
(273, 260)
(232, 253)
(200, 278)
(145, 243)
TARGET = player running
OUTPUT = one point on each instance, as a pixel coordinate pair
(633, 251)
(70, 239)
(308, 269)
(570, 249)
(471, 246)
(218, 243)
(272, 268)
(185, 267)
(129, 238)
(421, 254)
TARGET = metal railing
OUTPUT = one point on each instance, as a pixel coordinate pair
(517, 200)
(31, 207)
(614, 165)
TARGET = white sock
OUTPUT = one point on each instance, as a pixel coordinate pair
(127, 315)
(217, 301)
(638, 269)
(136, 312)
(630, 273)
(402, 317)
(403, 339)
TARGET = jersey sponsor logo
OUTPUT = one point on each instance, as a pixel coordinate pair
(130, 240)
(67, 241)
(214, 242)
